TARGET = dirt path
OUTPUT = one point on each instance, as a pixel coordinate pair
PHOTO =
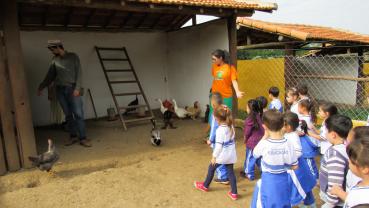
(124, 170)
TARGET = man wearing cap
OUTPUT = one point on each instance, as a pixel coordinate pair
(65, 72)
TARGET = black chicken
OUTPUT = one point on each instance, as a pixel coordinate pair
(45, 161)
(132, 103)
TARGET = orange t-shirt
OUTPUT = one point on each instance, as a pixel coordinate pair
(223, 77)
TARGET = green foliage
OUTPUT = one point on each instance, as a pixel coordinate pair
(355, 113)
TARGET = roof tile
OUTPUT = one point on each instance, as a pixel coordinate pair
(233, 4)
(304, 32)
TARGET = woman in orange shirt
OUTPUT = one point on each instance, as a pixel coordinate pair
(225, 76)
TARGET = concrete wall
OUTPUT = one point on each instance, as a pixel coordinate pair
(147, 52)
(189, 61)
(181, 57)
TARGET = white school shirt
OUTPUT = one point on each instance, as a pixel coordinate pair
(225, 145)
(276, 104)
(324, 143)
(294, 138)
(356, 196)
(310, 125)
(295, 108)
(277, 156)
(351, 180)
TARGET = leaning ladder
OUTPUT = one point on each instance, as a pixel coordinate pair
(125, 58)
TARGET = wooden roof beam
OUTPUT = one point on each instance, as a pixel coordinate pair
(108, 19)
(68, 16)
(156, 22)
(141, 21)
(126, 19)
(143, 7)
(92, 13)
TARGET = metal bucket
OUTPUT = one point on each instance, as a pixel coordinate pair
(111, 114)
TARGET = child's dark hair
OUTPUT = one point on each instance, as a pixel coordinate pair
(340, 124)
(222, 54)
(302, 89)
(358, 151)
(262, 101)
(329, 108)
(274, 91)
(224, 114)
(217, 97)
(360, 132)
(273, 120)
(309, 106)
(291, 119)
(255, 110)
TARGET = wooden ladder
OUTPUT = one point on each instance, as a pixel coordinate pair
(125, 58)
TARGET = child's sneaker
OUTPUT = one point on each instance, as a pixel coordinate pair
(232, 196)
(225, 182)
(200, 186)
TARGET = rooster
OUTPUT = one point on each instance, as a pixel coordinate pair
(45, 161)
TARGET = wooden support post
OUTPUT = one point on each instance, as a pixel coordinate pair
(18, 81)
(194, 21)
(232, 38)
(7, 121)
(2, 158)
(360, 91)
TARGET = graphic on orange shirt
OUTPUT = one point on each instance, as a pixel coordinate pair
(223, 76)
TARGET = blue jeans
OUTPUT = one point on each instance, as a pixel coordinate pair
(73, 109)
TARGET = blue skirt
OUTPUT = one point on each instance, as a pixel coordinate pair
(302, 180)
(309, 149)
(272, 191)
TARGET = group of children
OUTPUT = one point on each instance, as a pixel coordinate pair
(285, 146)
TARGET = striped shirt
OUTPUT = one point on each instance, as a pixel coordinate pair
(333, 169)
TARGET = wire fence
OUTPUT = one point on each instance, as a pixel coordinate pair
(339, 79)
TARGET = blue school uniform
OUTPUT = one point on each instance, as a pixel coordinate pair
(309, 152)
(274, 188)
(221, 171)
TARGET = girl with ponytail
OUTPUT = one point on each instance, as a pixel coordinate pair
(224, 152)
(253, 132)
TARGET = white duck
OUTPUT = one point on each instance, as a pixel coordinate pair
(180, 112)
(162, 108)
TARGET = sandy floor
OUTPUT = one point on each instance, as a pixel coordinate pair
(123, 169)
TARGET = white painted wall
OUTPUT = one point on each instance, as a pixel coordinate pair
(182, 56)
(147, 52)
(189, 61)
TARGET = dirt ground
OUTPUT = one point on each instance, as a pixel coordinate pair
(123, 169)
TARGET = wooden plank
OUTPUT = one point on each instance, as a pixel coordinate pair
(92, 102)
(3, 169)
(134, 6)
(232, 43)
(138, 119)
(108, 19)
(127, 94)
(10, 142)
(18, 82)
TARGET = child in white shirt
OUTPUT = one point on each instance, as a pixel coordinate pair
(224, 152)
